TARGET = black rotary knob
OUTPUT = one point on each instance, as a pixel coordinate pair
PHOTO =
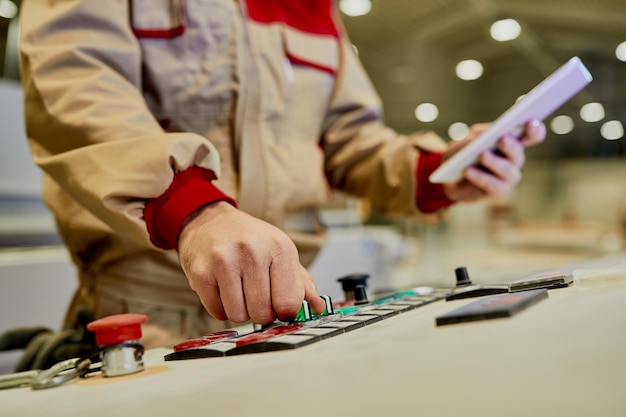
(350, 282)
(360, 295)
(462, 277)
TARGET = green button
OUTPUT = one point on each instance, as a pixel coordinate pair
(305, 312)
(328, 310)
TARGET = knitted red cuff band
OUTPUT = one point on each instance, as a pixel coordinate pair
(430, 196)
(189, 191)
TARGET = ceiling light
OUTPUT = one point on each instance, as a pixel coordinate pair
(612, 130)
(458, 131)
(355, 7)
(505, 30)
(562, 125)
(470, 69)
(620, 51)
(592, 112)
(8, 9)
(426, 112)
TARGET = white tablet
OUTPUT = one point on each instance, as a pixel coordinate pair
(538, 104)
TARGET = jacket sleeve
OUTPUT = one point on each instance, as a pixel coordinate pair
(88, 125)
(366, 158)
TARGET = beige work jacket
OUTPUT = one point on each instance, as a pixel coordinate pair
(120, 95)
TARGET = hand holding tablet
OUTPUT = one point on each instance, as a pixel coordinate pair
(538, 104)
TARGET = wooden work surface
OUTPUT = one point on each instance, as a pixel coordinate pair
(565, 356)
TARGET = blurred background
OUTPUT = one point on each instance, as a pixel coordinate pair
(443, 65)
(471, 59)
(440, 65)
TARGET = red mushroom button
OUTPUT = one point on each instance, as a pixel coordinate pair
(118, 328)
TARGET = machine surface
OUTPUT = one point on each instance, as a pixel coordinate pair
(562, 356)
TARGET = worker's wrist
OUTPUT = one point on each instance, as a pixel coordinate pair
(207, 211)
(429, 197)
(189, 191)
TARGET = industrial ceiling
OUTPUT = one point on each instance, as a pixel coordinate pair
(410, 48)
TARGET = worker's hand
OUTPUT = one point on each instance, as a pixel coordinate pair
(500, 172)
(244, 268)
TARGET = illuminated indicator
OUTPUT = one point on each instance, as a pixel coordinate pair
(347, 310)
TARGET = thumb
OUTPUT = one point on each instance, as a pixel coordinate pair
(318, 305)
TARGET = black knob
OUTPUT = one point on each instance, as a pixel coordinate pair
(360, 295)
(350, 282)
(462, 277)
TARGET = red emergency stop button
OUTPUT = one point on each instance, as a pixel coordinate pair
(118, 328)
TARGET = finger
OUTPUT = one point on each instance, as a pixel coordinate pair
(534, 133)
(206, 287)
(256, 288)
(310, 292)
(466, 191)
(210, 298)
(232, 296)
(477, 128)
(513, 150)
(500, 167)
(489, 184)
(287, 290)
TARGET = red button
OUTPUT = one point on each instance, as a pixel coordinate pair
(224, 334)
(287, 328)
(253, 338)
(192, 343)
(118, 328)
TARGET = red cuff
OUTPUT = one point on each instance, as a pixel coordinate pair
(430, 197)
(189, 191)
